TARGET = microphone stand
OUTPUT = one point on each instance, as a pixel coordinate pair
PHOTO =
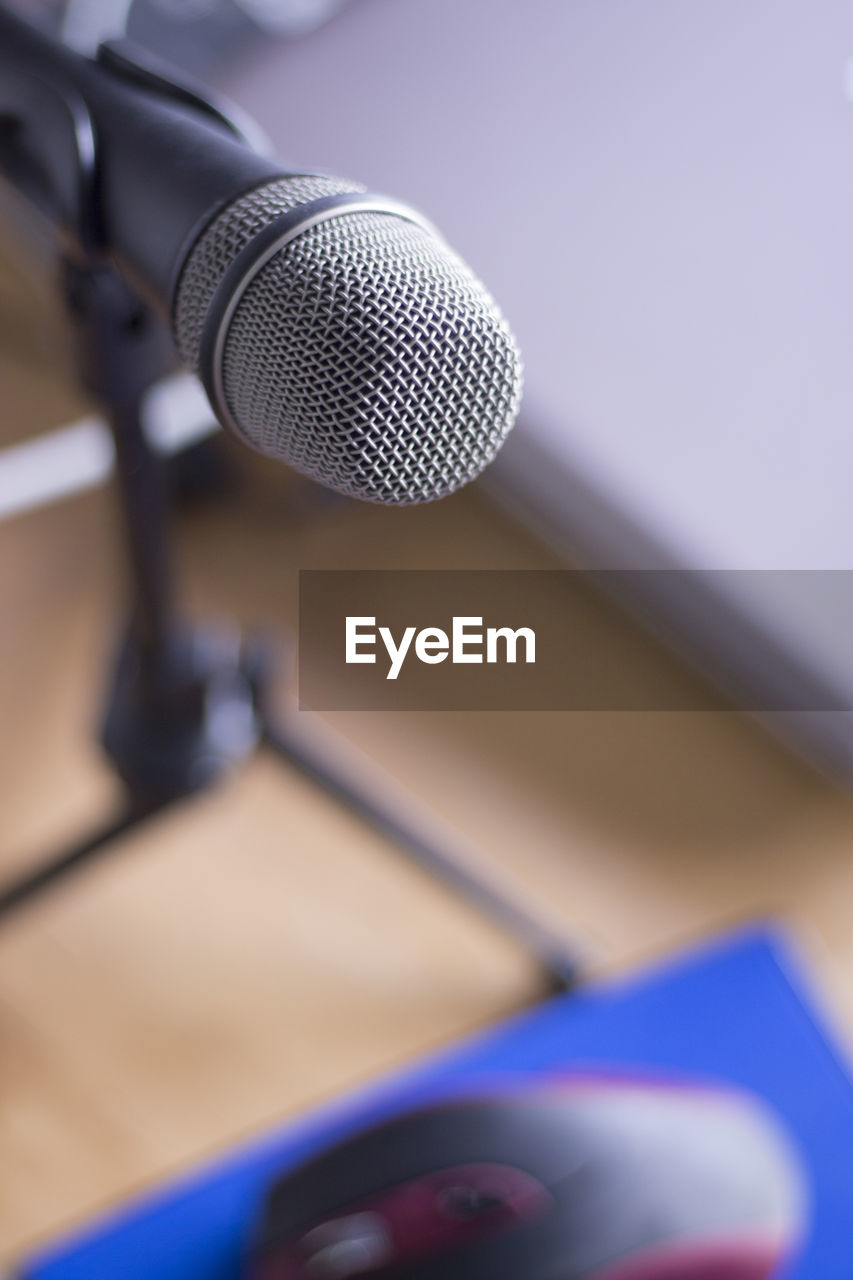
(188, 703)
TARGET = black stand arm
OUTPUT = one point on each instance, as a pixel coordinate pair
(435, 856)
(23, 889)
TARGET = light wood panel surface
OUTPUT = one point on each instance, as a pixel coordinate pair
(258, 950)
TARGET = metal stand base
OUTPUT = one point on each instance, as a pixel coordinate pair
(217, 717)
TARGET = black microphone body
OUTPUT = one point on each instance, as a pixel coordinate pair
(333, 329)
(164, 167)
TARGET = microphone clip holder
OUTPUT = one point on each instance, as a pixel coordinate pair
(49, 144)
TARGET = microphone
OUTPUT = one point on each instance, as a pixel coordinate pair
(332, 328)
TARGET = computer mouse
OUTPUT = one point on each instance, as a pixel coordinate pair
(565, 1179)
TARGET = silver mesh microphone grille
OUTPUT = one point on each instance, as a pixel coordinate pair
(364, 353)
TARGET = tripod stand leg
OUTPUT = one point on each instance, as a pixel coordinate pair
(31, 884)
(329, 769)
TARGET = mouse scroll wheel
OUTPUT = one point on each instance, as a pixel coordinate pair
(466, 1202)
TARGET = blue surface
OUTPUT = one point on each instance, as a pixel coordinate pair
(734, 1011)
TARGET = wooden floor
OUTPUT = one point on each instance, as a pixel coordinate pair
(258, 950)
